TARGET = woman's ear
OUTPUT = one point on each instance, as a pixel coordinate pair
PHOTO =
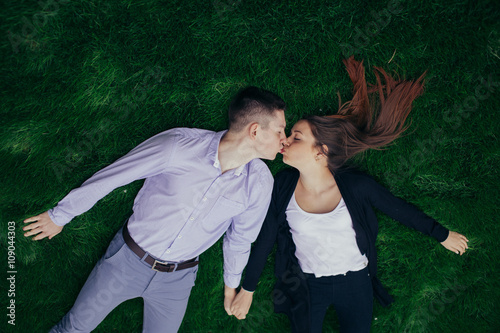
(321, 152)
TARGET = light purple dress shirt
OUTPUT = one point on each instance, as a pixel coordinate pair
(186, 203)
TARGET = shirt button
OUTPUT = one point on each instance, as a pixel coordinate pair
(191, 218)
(179, 236)
(205, 199)
(168, 251)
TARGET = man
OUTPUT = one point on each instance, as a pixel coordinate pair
(198, 185)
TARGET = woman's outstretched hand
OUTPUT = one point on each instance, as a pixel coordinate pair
(456, 242)
(241, 304)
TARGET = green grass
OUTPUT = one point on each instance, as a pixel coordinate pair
(83, 82)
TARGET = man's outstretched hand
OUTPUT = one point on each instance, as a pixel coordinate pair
(42, 227)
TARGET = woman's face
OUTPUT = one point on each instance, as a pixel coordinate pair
(301, 149)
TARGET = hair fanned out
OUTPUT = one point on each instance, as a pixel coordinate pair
(366, 122)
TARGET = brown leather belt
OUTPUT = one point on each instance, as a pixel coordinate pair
(155, 264)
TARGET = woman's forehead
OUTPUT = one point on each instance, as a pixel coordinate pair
(301, 125)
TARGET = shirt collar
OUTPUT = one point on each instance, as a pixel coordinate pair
(213, 154)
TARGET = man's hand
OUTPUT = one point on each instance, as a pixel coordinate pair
(241, 304)
(43, 227)
(229, 294)
(456, 242)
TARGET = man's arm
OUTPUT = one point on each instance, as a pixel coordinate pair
(240, 235)
(258, 256)
(148, 159)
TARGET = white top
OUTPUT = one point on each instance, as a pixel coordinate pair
(326, 243)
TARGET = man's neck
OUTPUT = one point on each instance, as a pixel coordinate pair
(234, 152)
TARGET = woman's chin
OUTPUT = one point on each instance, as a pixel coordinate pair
(286, 161)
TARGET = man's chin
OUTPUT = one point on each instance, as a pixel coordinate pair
(271, 157)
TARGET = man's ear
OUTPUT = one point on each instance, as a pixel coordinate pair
(252, 130)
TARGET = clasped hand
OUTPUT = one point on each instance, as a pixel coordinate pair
(237, 304)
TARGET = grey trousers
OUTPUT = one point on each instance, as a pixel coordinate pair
(119, 276)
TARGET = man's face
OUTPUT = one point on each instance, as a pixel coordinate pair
(300, 150)
(271, 140)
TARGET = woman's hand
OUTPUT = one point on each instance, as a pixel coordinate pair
(456, 242)
(241, 304)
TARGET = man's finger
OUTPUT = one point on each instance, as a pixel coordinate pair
(32, 219)
(39, 236)
(31, 226)
(32, 232)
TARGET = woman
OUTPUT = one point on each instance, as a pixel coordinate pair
(321, 214)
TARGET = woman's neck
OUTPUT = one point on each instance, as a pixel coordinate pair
(317, 181)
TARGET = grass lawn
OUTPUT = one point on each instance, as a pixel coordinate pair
(83, 82)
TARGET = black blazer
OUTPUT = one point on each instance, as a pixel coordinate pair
(361, 194)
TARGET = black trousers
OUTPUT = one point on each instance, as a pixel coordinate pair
(351, 295)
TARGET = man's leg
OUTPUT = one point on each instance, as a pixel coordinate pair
(166, 299)
(118, 276)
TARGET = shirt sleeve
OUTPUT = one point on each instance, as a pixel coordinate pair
(402, 211)
(264, 244)
(243, 231)
(148, 159)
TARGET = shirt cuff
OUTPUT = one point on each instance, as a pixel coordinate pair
(232, 280)
(58, 218)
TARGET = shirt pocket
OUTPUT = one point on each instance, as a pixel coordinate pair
(221, 212)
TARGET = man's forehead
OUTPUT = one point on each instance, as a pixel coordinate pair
(279, 119)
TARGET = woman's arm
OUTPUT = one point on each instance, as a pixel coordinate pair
(411, 216)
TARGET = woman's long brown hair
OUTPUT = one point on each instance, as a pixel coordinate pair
(365, 122)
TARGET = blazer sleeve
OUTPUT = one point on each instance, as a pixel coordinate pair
(402, 211)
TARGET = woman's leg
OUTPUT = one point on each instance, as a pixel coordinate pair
(321, 296)
(354, 301)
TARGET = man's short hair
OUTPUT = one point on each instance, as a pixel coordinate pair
(252, 104)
